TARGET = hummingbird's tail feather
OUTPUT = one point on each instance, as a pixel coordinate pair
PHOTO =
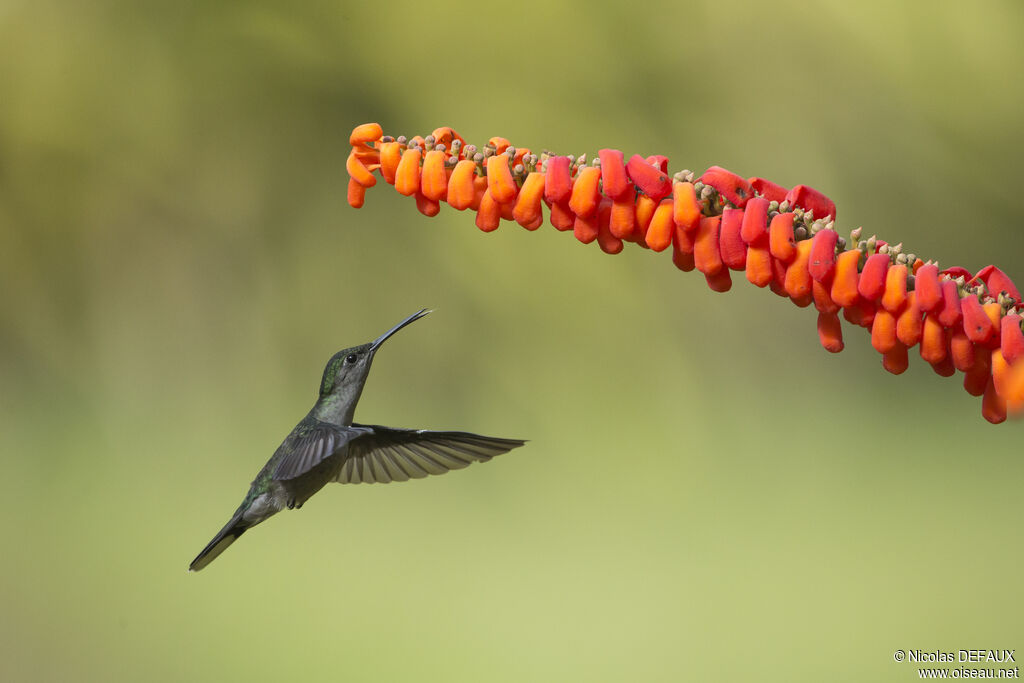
(231, 531)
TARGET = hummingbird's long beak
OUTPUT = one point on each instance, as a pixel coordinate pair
(411, 319)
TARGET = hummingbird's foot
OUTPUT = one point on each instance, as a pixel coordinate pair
(291, 504)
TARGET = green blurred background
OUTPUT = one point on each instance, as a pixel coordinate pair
(707, 494)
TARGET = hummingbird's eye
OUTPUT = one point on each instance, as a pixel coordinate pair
(351, 358)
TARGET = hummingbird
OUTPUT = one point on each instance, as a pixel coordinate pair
(328, 446)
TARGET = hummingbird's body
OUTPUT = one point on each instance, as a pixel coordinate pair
(327, 446)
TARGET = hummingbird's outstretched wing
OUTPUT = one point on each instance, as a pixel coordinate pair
(383, 454)
(310, 444)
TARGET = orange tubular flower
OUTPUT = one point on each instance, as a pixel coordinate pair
(499, 179)
(706, 254)
(844, 280)
(781, 241)
(434, 180)
(715, 222)
(645, 208)
(686, 208)
(895, 294)
(759, 262)
(356, 194)
(895, 360)
(798, 277)
(909, 325)
(755, 220)
(662, 227)
(460, 185)
(407, 175)
(527, 211)
(622, 219)
(934, 346)
(883, 331)
(585, 193)
(488, 216)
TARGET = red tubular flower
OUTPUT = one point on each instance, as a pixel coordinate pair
(823, 255)
(650, 180)
(781, 242)
(427, 206)
(993, 406)
(976, 379)
(949, 312)
(734, 188)
(755, 220)
(730, 242)
(658, 161)
(830, 332)
(721, 281)
(721, 222)
(1011, 338)
(926, 284)
(895, 360)
(682, 250)
(809, 199)
(558, 186)
(822, 299)
(613, 174)
(977, 325)
(872, 281)
(768, 189)
(609, 243)
(997, 282)
(561, 216)
(861, 313)
(944, 368)
(585, 228)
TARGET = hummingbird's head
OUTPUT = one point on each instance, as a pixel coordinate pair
(347, 370)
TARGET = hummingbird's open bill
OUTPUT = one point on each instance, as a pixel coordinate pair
(327, 446)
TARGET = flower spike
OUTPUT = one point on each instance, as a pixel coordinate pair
(717, 222)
